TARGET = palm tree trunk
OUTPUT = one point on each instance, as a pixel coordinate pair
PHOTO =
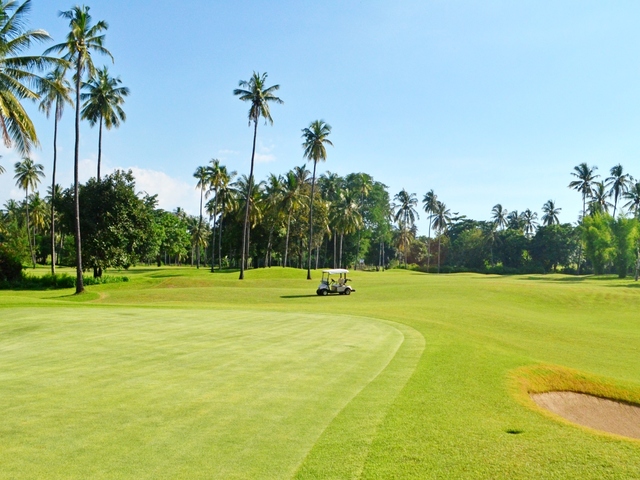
(313, 184)
(317, 254)
(429, 248)
(267, 263)
(439, 238)
(26, 204)
(335, 250)
(199, 228)
(246, 210)
(220, 238)
(341, 237)
(286, 243)
(213, 233)
(76, 182)
(99, 147)
(53, 192)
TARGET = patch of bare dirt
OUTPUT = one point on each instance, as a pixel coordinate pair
(594, 412)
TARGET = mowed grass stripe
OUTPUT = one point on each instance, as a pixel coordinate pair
(108, 392)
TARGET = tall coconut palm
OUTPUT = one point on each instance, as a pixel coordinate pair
(273, 191)
(405, 212)
(347, 218)
(315, 141)
(633, 195)
(103, 102)
(17, 74)
(499, 216)
(216, 176)
(227, 202)
(586, 177)
(259, 96)
(83, 39)
(361, 183)
(202, 175)
(290, 201)
(429, 202)
(529, 222)
(551, 213)
(618, 183)
(441, 219)
(27, 177)
(330, 185)
(55, 91)
(599, 199)
(514, 221)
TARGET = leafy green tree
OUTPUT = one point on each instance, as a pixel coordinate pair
(28, 176)
(554, 245)
(117, 224)
(598, 239)
(625, 239)
(83, 39)
(347, 218)
(362, 183)
(315, 141)
(103, 102)
(55, 91)
(259, 96)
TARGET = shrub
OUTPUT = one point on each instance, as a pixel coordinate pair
(10, 267)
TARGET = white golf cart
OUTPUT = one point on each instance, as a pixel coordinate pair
(334, 281)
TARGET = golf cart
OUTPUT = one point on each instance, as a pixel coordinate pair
(334, 281)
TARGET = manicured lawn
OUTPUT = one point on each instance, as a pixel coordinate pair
(184, 373)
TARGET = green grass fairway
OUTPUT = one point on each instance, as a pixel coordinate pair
(181, 373)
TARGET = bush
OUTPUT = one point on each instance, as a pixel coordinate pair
(10, 267)
(45, 282)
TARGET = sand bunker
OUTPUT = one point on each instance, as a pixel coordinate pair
(594, 412)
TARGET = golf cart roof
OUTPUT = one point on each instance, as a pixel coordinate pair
(335, 271)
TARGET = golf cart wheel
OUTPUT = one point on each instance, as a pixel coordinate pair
(324, 293)
(347, 291)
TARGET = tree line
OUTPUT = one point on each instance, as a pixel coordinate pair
(296, 219)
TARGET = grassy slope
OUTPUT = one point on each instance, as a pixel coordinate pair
(451, 418)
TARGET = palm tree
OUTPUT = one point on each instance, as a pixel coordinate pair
(202, 175)
(291, 200)
(55, 91)
(405, 212)
(529, 222)
(273, 193)
(499, 216)
(216, 174)
(82, 39)
(551, 213)
(584, 184)
(633, 195)
(27, 177)
(599, 196)
(314, 145)
(429, 202)
(227, 200)
(362, 183)
(16, 73)
(441, 220)
(619, 183)
(347, 218)
(102, 104)
(259, 96)
(330, 185)
(514, 221)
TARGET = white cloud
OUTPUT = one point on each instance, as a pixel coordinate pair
(228, 152)
(265, 158)
(172, 192)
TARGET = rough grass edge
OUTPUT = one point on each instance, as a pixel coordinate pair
(58, 281)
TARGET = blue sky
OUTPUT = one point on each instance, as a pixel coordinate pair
(483, 101)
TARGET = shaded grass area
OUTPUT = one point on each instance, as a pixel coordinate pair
(457, 416)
